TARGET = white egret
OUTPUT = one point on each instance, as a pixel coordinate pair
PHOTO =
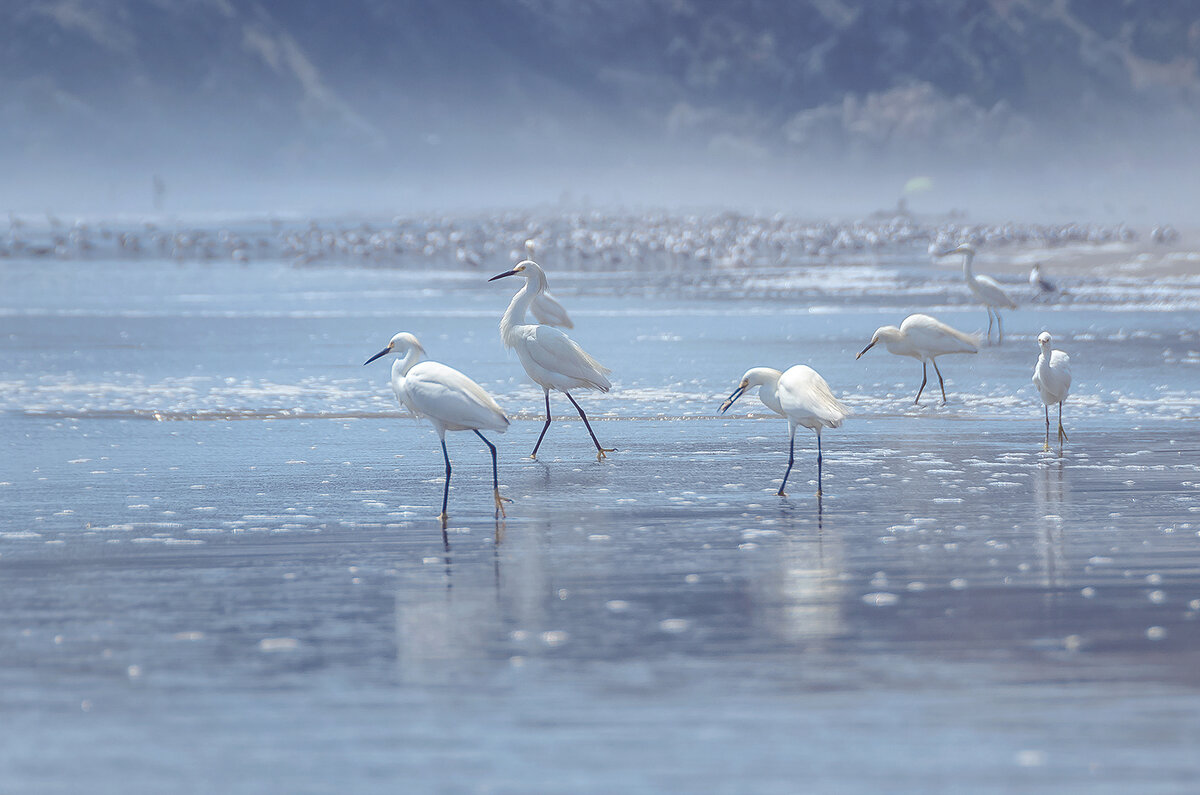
(546, 307)
(1040, 283)
(925, 338)
(551, 358)
(448, 399)
(800, 395)
(1052, 377)
(985, 288)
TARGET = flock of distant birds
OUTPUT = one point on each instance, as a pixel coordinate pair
(451, 401)
(720, 240)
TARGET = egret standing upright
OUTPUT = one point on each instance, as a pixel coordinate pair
(925, 338)
(449, 399)
(985, 288)
(801, 395)
(1052, 377)
(551, 358)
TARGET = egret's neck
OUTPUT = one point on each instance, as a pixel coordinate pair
(967, 272)
(515, 314)
(401, 367)
(768, 379)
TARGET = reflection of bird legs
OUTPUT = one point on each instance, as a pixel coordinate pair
(600, 451)
(495, 477)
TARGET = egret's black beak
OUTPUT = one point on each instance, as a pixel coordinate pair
(737, 393)
(383, 352)
(864, 350)
(502, 275)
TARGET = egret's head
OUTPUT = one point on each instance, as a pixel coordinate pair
(965, 248)
(400, 344)
(532, 272)
(755, 376)
(882, 334)
(1044, 339)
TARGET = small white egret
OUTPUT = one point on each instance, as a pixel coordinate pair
(449, 399)
(551, 358)
(801, 395)
(546, 307)
(1052, 377)
(1041, 285)
(925, 338)
(985, 288)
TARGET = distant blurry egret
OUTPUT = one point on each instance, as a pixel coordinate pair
(449, 399)
(985, 288)
(925, 338)
(551, 358)
(800, 395)
(1040, 283)
(1052, 377)
(546, 307)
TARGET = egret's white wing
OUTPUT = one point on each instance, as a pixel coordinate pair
(553, 350)
(936, 338)
(803, 391)
(995, 293)
(445, 394)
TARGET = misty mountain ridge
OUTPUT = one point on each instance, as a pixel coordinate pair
(427, 90)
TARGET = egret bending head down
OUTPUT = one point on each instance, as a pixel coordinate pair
(925, 338)
(448, 399)
(801, 395)
(551, 358)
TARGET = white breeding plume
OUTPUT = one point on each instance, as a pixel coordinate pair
(801, 395)
(447, 398)
(545, 307)
(1052, 377)
(551, 358)
(925, 338)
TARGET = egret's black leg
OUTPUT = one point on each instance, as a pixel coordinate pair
(999, 328)
(1046, 444)
(791, 460)
(545, 427)
(818, 465)
(941, 382)
(1062, 434)
(600, 451)
(989, 311)
(495, 475)
(445, 491)
(924, 379)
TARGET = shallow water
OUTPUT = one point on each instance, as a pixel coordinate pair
(221, 565)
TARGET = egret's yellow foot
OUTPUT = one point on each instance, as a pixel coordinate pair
(500, 501)
(780, 493)
(600, 452)
(445, 517)
(819, 493)
(1046, 447)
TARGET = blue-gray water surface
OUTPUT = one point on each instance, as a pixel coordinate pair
(222, 572)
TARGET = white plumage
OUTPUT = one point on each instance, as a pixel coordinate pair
(985, 288)
(1052, 377)
(447, 398)
(802, 396)
(551, 358)
(925, 338)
